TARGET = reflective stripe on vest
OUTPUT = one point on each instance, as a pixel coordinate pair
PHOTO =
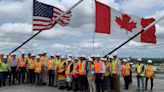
(106, 70)
(50, 64)
(38, 67)
(44, 60)
(60, 66)
(82, 69)
(3, 65)
(139, 69)
(149, 72)
(115, 66)
(125, 71)
(98, 67)
(74, 69)
(32, 64)
(11, 61)
(22, 63)
(56, 63)
(67, 71)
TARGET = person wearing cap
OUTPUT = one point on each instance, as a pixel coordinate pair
(56, 63)
(106, 74)
(68, 74)
(12, 66)
(150, 72)
(44, 60)
(115, 72)
(3, 71)
(126, 73)
(140, 72)
(38, 71)
(99, 73)
(75, 73)
(131, 70)
(40, 54)
(50, 70)
(22, 68)
(90, 75)
(31, 68)
(111, 59)
(1, 57)
(61, 73)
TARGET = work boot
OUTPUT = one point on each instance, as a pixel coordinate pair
(30, 84)
(151, 90)
(138, 90)
(145, 88)
(70, 88)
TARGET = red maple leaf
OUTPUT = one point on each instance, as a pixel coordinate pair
(124, 23)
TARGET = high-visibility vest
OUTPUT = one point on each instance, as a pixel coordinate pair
(106, 70)
(74, 69)
(38, 67)
(67, 71)
(22, 63)
(11, 61)
(56, 63)
(60, 66)
(115, 66)
(94, 61)
(125, 71)
(149, 72)
(4, 65)
(139, 69)
(0, 61)
(98, 67)
(82, 69)
(44, 60)
(50, 64)
(72, 60)
(32, 64)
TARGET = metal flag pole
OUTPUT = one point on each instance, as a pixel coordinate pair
(47, 26)
(144, 29)
(93, 26)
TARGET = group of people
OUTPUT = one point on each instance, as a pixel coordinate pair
(84, 71)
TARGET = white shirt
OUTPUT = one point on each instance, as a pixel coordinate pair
(154, 69)
(102, 67)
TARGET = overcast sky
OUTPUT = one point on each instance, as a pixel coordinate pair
(77, 38)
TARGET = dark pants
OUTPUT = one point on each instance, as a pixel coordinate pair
(22, 74)
(3, 78)
(130, 77)
(82, 82)
(99, 81)
(13, 72)
(28, 77)
(111, 83)
(39, 78)
(76, 83)
(147, 81)
(51, 77)
(126, 78)
(32, 76)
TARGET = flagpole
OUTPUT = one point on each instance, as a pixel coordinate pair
(144, 29)
(93, 26)
(47, 25)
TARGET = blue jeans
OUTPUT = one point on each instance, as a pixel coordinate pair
(142, 80)
(1, 77)
(39, 78)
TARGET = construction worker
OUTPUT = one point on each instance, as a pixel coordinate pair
(44, 60)
(111, 59)
(99, 73)
(38, 71)
(131, 70)
(12, 66)
(90, 75)
(68, 73)
(50, 70)
(22, 68)
(76, 73)
(1, 57)
(40, 54)
(106, 74)
(3, 70)
(126, 73)
(56, 63)
(31, 69)
(150, 72)
(27, 68)
(140, 72)
(115, 72)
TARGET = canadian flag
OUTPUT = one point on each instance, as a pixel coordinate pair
(111, 21)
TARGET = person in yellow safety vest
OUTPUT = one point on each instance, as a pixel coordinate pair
(44, 60)
(106, 74)
(111, 59)
(99, 73)
(140, 72)
(56, 63)
(1, 57)
(31, 69)
(76, 73)
(68, 74)
(61, 73)
(50, 69)
(150, 72)
(115, 72)
(22, 67)
(38, 71)
(12, 66)
(3, 71)
(126, 73)
(131, 70)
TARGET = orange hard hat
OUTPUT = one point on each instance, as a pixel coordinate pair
(1, 54)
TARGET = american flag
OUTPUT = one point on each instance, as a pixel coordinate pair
(44, 16)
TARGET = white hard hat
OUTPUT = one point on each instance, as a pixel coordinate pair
(110, 56)
(62, 56)
(5, 56)
(82, 55)
(149, 61)
(128, 59)
(58, 54)
(40, 52)
(32, 54)
(69, 55)
(44, 52)
(13, 53)
(37, 57)
(26, 56)
(69, 59)
(98, 55)
(124, 60)
(115, 54)
(103, 59)
(52, 55)
(139, 59)
(92, 55)
(22, 52)
(76, 58)
(90, 59)
(77, 55)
